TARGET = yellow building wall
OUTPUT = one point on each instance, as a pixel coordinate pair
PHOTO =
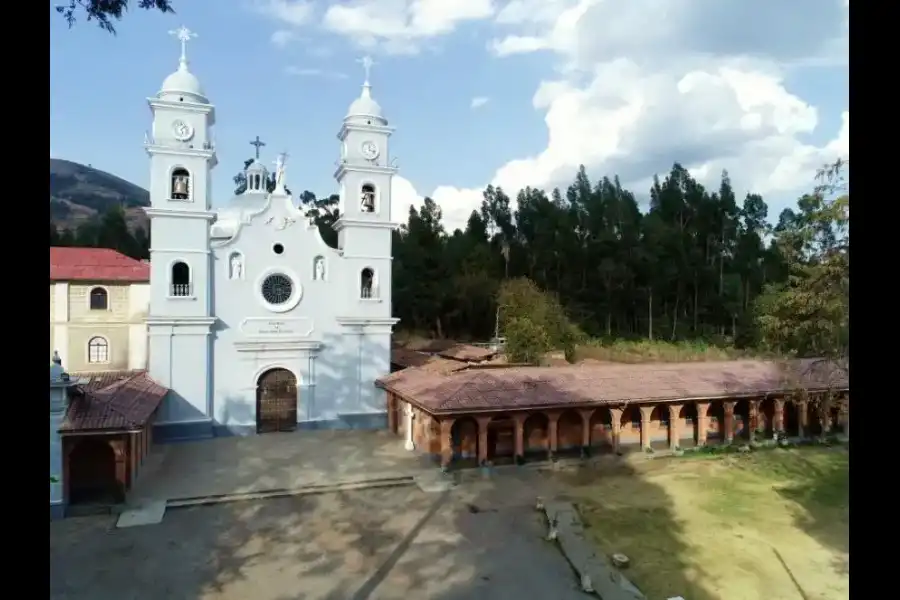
(116, 336)
(73, 326)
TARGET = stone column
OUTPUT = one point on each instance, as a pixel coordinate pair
(778, 415)
(803, 417)
(391, 412)
(483, 424)
(446, 425)
(552, 433)
(616, 416)
(586, 427)
(59, 384)
(754, 417)
(674, 425)
(519, 424)
(702, 422)
(646, 411)
(409, 444)
(728, 405)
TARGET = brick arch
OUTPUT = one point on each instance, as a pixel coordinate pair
(601, 428)
(658, 427)
(501, 437)
(569, 431)
(630, 431)
(790, 421)
(689, 424)
(715, 421)
(741, 426)
(536, 433)
(464, 438)
(766, 416)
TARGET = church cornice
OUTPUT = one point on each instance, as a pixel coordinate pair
(348, 127)
(180, 214)
(207, 153)
(343, 223)
(194, 107)
(367, 321)
(345, 168)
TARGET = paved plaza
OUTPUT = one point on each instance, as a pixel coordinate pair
(277, 461)
(482, 539)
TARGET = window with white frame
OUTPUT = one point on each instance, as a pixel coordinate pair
(99, 299)
(98, 350)
(181, 280)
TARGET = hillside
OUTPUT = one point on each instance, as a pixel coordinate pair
(79, 193)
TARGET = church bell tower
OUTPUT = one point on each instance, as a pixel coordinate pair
(182, 156)
(364, 173)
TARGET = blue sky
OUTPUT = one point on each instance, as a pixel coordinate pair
(642, 93)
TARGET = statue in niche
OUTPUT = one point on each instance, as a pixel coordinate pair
(236, 266)
(319, 269)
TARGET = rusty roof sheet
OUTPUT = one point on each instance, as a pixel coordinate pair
(531, 387)
(95, 264)
(467, 352)
(111, 402)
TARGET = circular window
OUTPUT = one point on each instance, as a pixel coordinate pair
(277, 248)
(277, 289)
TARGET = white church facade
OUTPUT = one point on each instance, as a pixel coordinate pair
(255, 324)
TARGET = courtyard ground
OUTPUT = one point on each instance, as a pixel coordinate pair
(480, 540)
(772, 524)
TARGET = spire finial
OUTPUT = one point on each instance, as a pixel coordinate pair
(184, 35)
(366, 62)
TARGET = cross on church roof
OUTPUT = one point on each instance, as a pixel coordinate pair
(257, 143)
(366, 62)
(184, 35)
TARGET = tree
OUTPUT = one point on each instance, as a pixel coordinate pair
(104, 12)
(808, 314)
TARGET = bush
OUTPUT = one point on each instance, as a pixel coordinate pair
(534, 322)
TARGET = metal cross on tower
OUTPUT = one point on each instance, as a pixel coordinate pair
(184, 35)
(257, 143)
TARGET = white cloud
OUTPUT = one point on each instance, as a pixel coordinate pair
(394, 26)
(478, 102)
(311, 72)
(648, 82)
(292, 13)
(282, 37)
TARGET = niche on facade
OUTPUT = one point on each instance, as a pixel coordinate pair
(235, 266)
(368, 285)
(367, 198)
(319, 268)
(180, 185)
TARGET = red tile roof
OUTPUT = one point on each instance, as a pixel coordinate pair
(114, 401)
(477, 389)
(95, 264)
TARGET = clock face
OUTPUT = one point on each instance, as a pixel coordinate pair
(369, 150)
(182, 131)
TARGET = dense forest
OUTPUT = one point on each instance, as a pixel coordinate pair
(697, 264)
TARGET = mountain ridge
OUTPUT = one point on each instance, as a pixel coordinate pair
(81, 193)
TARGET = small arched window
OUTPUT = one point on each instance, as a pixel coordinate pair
(367, 198)
(181, 184)
(99, 299)
(98, 350)
(367, 285)
(181, 279)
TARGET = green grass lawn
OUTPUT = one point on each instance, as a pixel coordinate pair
(772, 524)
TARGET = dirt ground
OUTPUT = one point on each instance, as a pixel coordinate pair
(396, 543)
(772, 524)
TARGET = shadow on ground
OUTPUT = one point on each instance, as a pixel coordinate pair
(821, 488)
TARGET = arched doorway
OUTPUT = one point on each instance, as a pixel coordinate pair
(601, 430)
(715, 422)
(742, 427)
(791, 419)
(569, 433)
(92, 473)
(464, 441)
(689, 427)
(276, 401)
(536, 433)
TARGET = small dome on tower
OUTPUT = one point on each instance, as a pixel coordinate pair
(182, 85)
(365, 109)
(257, 178)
